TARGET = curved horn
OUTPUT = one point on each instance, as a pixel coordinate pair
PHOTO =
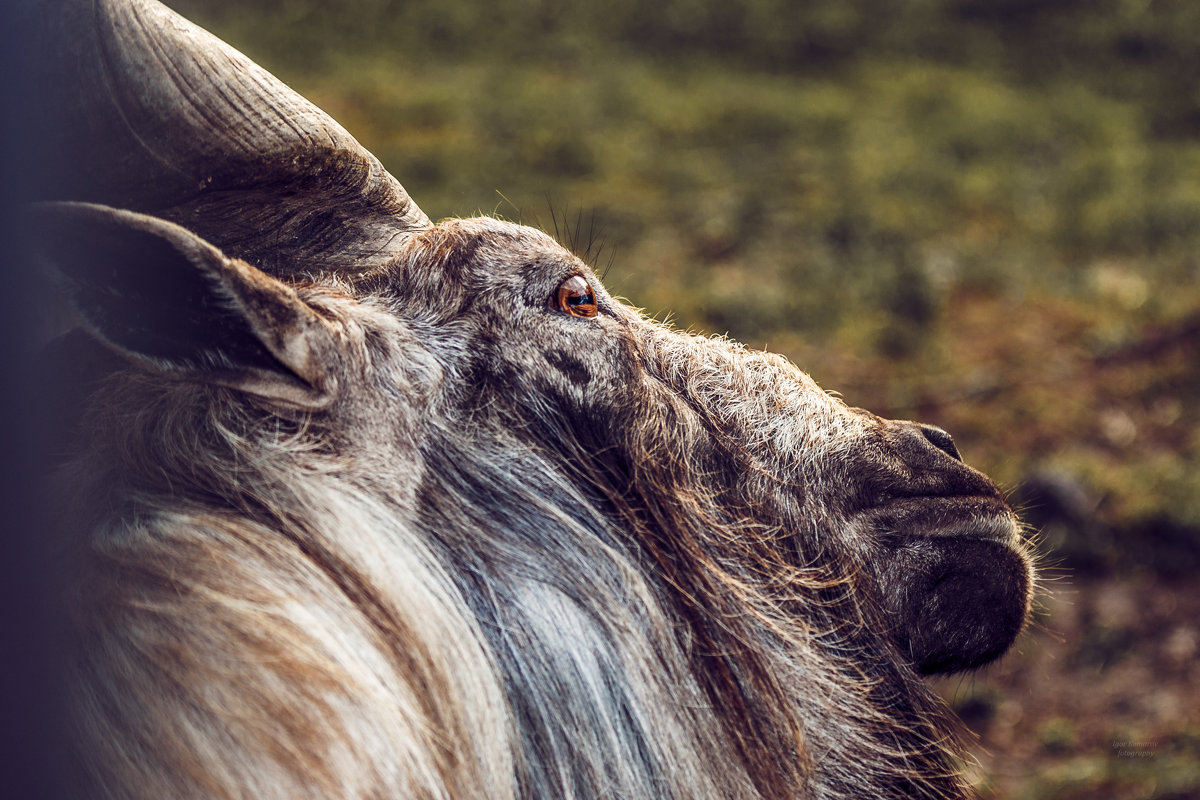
(146, 111)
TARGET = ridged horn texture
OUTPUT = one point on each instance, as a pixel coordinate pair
(140, 109)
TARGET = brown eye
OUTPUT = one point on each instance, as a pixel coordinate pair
(575, 297)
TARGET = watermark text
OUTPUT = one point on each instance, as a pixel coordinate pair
(1134, 748)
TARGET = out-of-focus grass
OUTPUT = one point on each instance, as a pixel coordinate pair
(1098, 703)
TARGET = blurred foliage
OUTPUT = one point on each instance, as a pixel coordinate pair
(1102, 705)
(982, 213)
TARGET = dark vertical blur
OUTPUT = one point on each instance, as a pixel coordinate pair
(33, 759)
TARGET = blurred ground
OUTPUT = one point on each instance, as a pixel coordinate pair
(980, 214)
(1099, 701)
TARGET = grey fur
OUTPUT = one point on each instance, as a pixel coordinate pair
(412, 530)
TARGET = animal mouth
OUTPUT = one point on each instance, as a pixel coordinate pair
(954, 579)
(984, 518)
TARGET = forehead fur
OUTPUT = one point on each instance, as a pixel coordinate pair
(455, 258)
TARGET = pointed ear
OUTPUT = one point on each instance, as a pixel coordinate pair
(163, 297)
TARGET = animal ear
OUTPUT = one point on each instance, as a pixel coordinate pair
(165, 298)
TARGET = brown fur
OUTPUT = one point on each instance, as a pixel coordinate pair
(361, 512)
(468, 569)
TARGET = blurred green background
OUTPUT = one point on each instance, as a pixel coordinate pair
(983, 214)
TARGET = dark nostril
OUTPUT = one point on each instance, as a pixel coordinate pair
(941, 440)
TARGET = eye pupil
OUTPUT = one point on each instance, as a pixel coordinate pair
(575, 297)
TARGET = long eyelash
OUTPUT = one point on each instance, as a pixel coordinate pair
(584, 238)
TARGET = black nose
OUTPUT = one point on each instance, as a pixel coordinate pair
(941, 440)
